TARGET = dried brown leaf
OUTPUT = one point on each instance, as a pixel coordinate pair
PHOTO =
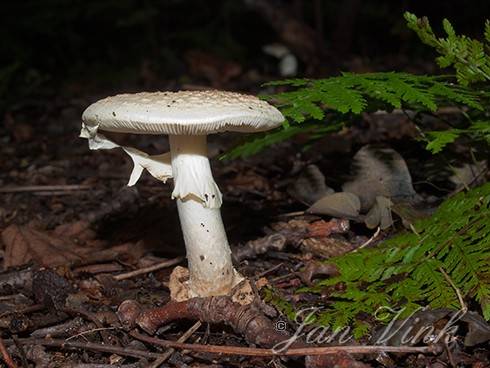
(326, 247)
(319, 229)
(379, 214)
(315, 268)
(310, 186)
(25, 244)
(379, 172)
(341, 205)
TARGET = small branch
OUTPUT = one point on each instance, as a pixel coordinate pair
(370, 240)
(464, 308)
(45, 188)
(292, 214)
(82, 334)
(272, 269)
(181, 339)
(244, 319)
(306, 351)
(6, 356)
(141, 271)
(59, 343)
(22, 353)
(92, 318)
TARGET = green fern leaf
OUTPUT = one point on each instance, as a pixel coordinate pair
(438, 140)
(450, 254)
(456, 95)
(412, 93)
(487, 31)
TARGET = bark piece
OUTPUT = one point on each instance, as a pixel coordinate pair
(50, 289)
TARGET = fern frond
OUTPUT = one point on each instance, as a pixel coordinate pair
(413, 270)
(466, 55)
(412, 90)
(437, 140)
(325, 101)
(259, 143)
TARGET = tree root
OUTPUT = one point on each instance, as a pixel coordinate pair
(246, 320)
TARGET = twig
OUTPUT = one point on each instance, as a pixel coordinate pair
(99, 268)
(170, 351)
(59, 343)
(82, 334)
(261, 352)
(464, 308)
(22, 353)
(29, 309)
(91, 317)
(449, 355)
(141, 271)
(292, 214)
(45, 188)
(5, 355)
(284, 277)
(370, 240)
(269, 270)
(57, 193)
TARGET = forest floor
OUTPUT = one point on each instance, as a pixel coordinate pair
(77, 242)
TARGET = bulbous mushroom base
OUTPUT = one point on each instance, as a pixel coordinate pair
(180, 289)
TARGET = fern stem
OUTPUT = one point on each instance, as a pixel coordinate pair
(464, 308)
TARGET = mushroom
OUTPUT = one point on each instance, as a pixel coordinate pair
(187, 117)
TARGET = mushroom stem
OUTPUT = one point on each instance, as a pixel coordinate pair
(208, 253)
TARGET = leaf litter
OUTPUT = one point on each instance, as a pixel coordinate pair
(59, 270)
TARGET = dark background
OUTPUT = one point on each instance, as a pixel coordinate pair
(76, 47)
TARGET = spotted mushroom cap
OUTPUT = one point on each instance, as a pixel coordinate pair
(183, 112)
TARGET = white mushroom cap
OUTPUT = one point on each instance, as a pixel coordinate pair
(182, 113)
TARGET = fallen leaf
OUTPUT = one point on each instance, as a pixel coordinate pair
(409, 214)
(252, 248)
(379, 172)
(379, 214)
(478, 329)
(249, 181)
(310, 186)
(326, 247)
(469, 174)
(315, 268)
(424, 321)
(261, 283)
(26, 244)
(80, 230)
(319, 229)
(341, 205)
